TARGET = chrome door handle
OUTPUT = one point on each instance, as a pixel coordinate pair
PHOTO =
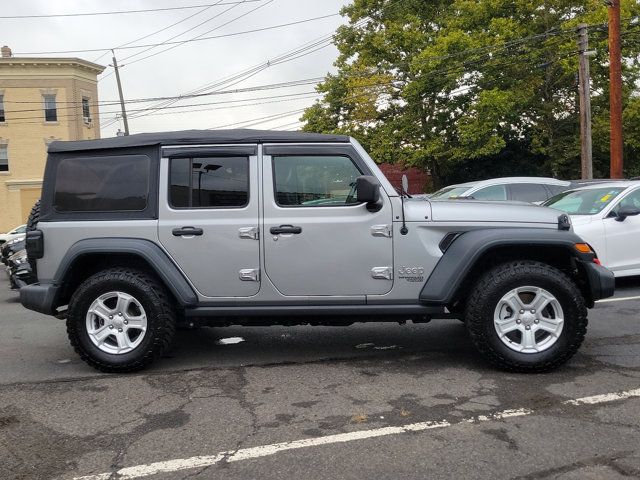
(286, 229)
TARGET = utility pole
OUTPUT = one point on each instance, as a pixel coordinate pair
(615, 88)
(124, 111)
(584, 88)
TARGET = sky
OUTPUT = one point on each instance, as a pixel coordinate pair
(189, 66)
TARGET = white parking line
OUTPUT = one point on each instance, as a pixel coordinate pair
(618, 299)
(180, 464)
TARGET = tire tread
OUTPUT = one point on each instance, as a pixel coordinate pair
(166, 321)
(492, 280)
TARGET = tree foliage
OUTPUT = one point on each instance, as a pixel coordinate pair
(454, 85)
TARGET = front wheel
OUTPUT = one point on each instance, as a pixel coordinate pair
(526, 316)
(120, 320)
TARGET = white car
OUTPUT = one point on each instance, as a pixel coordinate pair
(605, 215)
(523, 189)
(15, 233)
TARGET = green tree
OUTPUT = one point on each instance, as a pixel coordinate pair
(444, 84)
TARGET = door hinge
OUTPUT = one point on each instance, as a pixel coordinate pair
(382, 273)
(249, 274)
(381, 231)
(252, 233)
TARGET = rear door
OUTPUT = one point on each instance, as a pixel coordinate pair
(318, 241)
(208, 222)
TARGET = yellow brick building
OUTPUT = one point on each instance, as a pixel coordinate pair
(41, 100)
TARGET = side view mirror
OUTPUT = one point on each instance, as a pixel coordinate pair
(625, 212)
(368, 191)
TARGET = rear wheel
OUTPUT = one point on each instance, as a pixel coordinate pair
(120, 320)
(526, 316)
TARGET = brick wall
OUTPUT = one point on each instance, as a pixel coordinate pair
(418, 179)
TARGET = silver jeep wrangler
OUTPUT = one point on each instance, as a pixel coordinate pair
(137, 235)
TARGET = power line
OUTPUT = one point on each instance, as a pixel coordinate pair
(159, 31)
(118, 12)
(77, 107)
(293, 54)
(252, 71)
(270, 86)
(166, 42)
(197, 37)
(179, 42)
(256, 121)
(270, 100)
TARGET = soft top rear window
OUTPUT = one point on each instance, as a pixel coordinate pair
(102, 184)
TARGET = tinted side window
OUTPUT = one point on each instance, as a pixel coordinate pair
(102, 184)
(314, 181)
(528, 192)
(556, 189)
(213, 182)
(494, 192)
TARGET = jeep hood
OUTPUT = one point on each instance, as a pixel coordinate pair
(479, 211)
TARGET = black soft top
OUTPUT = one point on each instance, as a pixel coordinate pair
(197, 137)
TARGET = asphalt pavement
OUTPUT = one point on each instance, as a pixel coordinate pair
(382, 401)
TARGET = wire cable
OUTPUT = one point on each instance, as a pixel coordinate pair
(118, 12)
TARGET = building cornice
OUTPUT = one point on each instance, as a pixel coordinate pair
(52, 62)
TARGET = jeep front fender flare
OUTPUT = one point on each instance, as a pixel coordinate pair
(469, 247)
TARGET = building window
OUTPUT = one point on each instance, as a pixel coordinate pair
(2, 118)
(50, 109)
(4, 158)
(86, 111)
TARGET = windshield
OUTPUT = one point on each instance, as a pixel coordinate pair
(584, 202)
(450, 192)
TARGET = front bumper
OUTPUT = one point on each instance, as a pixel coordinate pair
(602, 282)
(39, 297)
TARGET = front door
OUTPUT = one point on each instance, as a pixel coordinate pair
(318, 240)
(622, 237)
(209, 218)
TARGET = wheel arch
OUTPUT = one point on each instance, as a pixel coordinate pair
(89, 256)
(473, 252)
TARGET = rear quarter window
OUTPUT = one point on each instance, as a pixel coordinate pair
(102, 184)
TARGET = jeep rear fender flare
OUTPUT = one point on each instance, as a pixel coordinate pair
(147, 250)
(469, 247)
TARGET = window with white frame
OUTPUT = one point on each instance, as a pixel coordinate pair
(2, 117)
(50, 108)
(86, 110)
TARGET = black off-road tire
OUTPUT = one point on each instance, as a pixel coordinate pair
(491, 287)
(34, 217)
(161, 319)
(32, 223)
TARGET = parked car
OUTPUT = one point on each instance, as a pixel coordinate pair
(19, 270)
(605, 215)
(16, 232)
(260, 228)
(522, 189)
(11, 247)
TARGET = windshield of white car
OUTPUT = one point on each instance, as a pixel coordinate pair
(584, 202)
(449, 192)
